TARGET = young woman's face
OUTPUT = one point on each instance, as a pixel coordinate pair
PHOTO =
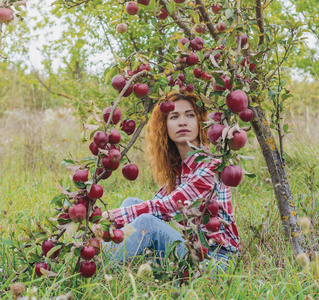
(182, 124)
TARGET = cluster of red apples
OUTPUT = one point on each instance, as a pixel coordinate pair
(84, 209)
(193, 73)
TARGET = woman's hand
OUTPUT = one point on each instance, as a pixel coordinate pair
(108, 215)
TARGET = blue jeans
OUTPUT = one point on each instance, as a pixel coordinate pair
(155, 234)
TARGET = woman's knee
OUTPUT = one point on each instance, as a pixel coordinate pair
(131, 201)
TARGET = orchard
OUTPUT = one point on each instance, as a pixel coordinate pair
(226, 52)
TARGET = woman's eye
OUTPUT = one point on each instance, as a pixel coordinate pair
(173, 117)
(191, 115)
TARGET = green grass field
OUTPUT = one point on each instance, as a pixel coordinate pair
(33, 144)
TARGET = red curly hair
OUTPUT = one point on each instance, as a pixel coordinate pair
(162, 153)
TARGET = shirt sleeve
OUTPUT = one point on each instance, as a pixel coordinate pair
(198, 186)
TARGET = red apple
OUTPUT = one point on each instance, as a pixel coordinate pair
(83, 200)
(221, 26)
(81, 175)
(181, 77)
(38, 267)
(115, 156)
(167, 107)
(118, 82)
(197, 73)
(190, 88)
(116, 115)
(106, 236)
(143, 67)
(128, 126)
(202, 252)
(192, 59)
(99, 171)
(114, 137)
(216, 8)
(130, 171)
(121, 28)
(213, 224)
(246, 115)
(163, 14)
(107, 164)
(206, 77)
(64, 216)
(77, 212)
(216, 116)
(143, 2)
(94, 149)
(87, 252)
(46, 246)
(197, 43)
(181, 60)
(231, 175)
(87, 268)
(184, 41)
(213, 207)
(140, 90)
(131, 8)
(95, 192)
(215, 132)
(118, 236)
(96, 245)
(128, 91)
(201, 28)
(238, 141)
(237, 101)
(245, 61)
(96, 212)
(252, 67)
(244, 39)
(170, 79)
(100, 139)
(6, 15)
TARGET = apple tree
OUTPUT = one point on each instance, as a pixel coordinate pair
(228, 53)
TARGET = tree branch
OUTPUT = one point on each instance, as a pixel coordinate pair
(211, 28)
(260, 20)
(49, 89)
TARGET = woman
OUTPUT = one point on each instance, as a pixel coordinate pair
(182, 180)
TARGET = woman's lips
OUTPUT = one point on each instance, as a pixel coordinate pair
(182, 131)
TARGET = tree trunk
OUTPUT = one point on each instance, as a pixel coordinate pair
(276, 168)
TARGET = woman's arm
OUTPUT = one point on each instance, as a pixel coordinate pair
(198, 186)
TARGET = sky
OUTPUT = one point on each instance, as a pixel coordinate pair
(96, 61)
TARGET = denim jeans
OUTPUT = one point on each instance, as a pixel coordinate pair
(155, 234)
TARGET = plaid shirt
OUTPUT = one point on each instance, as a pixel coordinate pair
(194, 181)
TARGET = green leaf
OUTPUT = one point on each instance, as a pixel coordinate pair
(196, 203)
(220, 167)
(203, 240)
(67, 162)
(58, 199)
(206, 219)
(219, 80)
(178, 217)
(229, 13)
(110, 74)
(200, 158)
(285, 127)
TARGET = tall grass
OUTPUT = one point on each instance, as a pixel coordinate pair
(33, 144)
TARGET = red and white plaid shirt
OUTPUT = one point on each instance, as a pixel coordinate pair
(194, 181)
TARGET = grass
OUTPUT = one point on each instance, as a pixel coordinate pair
(33, 144)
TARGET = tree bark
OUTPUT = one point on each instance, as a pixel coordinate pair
(276, 168)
